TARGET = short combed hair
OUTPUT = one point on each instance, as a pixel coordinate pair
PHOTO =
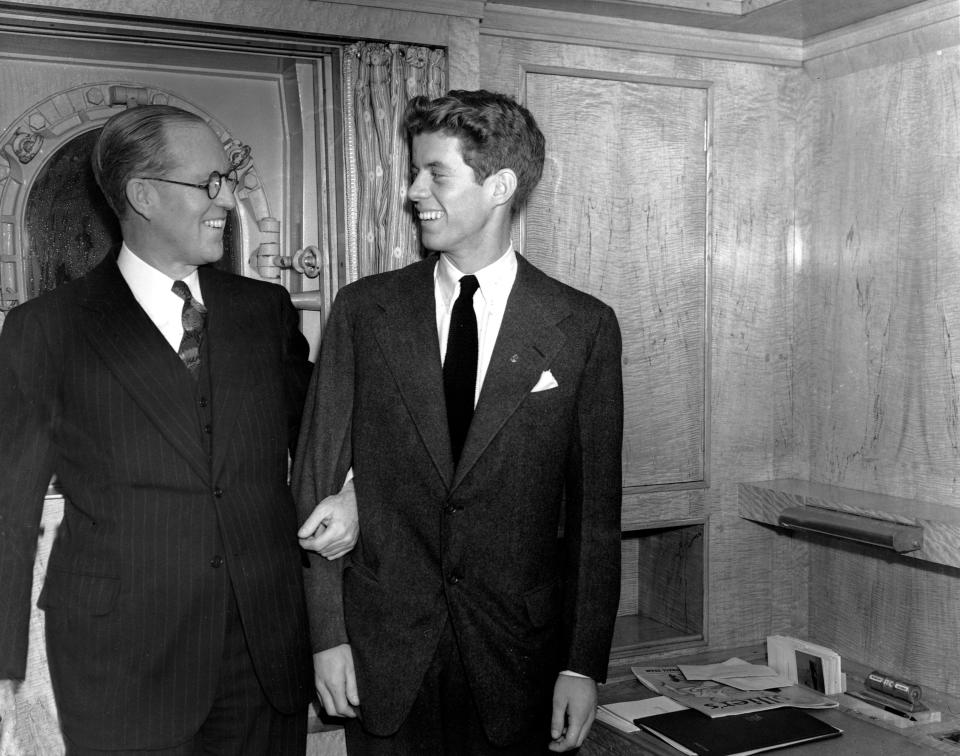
(494, 130)
(133, 143)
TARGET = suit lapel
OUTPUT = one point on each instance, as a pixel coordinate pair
(133, 349)
(407, 336)
(528, 341)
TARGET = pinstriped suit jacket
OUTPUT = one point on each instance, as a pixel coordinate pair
(154, 529)
(476, 544)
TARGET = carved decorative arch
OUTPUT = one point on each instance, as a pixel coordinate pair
(53, 138)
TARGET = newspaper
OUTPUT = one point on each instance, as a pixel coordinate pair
(718, 700)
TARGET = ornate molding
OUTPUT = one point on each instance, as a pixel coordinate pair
(30, 141)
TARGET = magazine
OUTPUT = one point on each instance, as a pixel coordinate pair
(718, 700)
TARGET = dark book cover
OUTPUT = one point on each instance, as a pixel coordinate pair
(737, 735)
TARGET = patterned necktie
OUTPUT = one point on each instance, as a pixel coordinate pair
(193, 318)
(460, 365)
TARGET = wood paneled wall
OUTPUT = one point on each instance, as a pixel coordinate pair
(754, 420)
(879, 308)
(833, 252)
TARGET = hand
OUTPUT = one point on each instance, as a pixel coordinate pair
(331, 530)
(9, 744)
(574, 708)
(336, 681)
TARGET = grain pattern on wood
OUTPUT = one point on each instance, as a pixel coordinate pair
(621, 213)
(755, 428)
(891, 612)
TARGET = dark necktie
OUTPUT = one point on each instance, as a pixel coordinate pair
(460, 365)
(193, 317)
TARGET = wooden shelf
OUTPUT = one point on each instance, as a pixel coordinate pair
(662, 590)
(766, 501)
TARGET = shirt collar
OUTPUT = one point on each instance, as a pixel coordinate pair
(495, 280)
(151, 288)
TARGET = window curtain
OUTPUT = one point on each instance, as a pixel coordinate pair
(378, 81)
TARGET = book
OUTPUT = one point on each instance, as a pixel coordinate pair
(622, 714)
(696, 735)
(806, 663)
(716, 699)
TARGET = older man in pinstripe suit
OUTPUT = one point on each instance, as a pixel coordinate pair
(165, 396)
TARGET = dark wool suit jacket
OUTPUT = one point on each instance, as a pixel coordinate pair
(154, 529)
(478, 544)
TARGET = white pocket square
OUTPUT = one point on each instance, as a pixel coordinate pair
(547, 381)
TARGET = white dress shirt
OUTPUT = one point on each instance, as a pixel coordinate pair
(153, 291)
(489, 302)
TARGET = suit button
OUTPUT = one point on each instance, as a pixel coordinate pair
(217, 561)
(455, 577)
(451, 509)
(208, 428)
(203, 401)
(218, 492)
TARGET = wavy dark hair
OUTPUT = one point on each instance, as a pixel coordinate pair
(494, 130)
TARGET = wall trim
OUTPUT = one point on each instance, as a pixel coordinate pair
(459, 8)
(640, 36)
(938, 17)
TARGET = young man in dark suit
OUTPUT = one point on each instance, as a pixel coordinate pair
(478, 404)
(165, 396)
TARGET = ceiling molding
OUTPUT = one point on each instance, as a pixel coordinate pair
(729, 7)
(916, 18)
(936, 19)
(459, 8)
(641, 36)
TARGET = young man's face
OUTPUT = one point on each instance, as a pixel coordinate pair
(455, 212)
(186, 229)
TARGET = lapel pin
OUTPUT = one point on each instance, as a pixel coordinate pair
(515, 358)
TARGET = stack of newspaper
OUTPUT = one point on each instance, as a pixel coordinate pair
(731, 687)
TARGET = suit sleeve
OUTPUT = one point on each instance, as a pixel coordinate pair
(28, 411)
(323, 458)
(594, 492)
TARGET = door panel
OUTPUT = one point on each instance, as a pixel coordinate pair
(621, 212)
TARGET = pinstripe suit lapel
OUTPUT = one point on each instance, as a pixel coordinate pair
(407, 335)
(527, 343)
(124, 337)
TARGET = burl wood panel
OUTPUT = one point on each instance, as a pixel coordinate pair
(880, 308)
(754, 427)
(621, 213)
(886, 611)
(881, 278)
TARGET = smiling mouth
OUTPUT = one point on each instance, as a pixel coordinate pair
(216, 224)
(430, 215)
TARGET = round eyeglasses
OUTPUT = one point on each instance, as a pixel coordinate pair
(212, 184)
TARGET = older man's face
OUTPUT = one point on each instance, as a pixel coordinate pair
(186, 230)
